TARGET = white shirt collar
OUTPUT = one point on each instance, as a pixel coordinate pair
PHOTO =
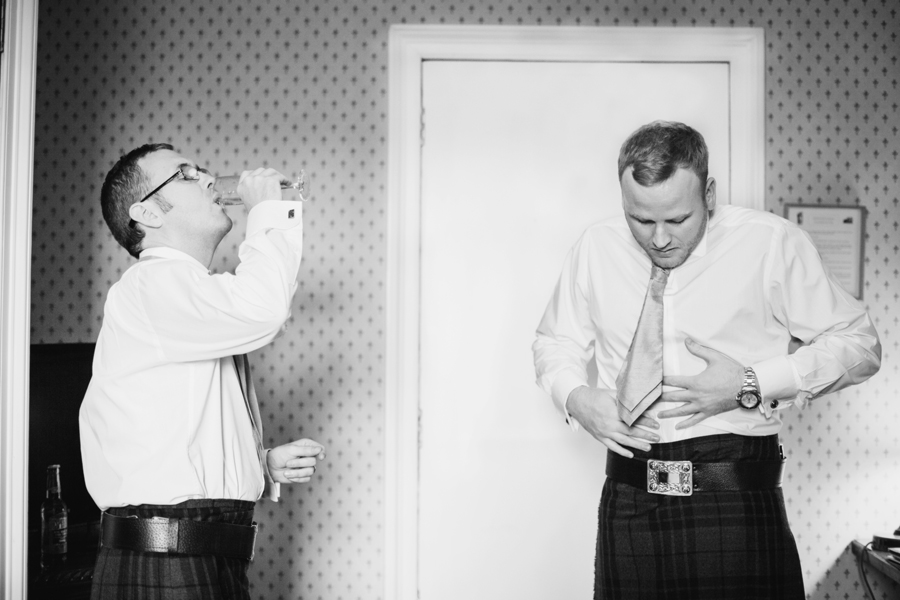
(172, 253)
(700, 250)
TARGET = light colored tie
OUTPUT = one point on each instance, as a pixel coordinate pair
(242, 364)
(639, 383)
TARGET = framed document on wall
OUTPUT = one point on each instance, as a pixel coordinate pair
(838, 233)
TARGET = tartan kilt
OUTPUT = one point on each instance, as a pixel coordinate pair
(711, 545)
(129, 575)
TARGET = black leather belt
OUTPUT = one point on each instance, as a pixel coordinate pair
(179, 536)
(683, 477)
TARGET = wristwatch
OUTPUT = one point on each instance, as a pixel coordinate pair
(749, 396)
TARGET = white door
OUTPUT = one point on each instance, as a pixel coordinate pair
(518, 158)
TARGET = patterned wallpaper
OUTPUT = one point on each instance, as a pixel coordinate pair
(299, 83)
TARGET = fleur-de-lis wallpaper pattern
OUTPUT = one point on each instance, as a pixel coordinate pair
(302, 84)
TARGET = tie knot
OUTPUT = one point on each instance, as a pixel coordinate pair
(658, 274)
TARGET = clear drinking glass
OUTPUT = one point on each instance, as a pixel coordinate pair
(225, 188)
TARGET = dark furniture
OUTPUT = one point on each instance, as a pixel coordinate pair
(60, 374)
(881, 561)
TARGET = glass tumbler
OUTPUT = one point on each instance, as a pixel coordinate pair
(225, 188)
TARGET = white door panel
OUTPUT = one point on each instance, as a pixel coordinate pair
(518, 159)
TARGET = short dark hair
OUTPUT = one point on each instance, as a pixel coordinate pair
(125, 184)
(656, 150)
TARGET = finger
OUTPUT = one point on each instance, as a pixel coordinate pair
(677, 395)
(613, 446)
(300, 463)
(265, 173)
(309, 442)
(679, 381)
(641, 434)
(290, 477)
(625, 433)
(684, 410)
(304, 472)
(252, 173)
(297, 480)
(701, 351)
(646, 421)
(644, 442)
(641, 442)
(298, 449)
(299, 474)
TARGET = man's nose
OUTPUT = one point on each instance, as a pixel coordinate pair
(661, 237)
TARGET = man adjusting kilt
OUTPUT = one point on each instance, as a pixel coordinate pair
(713, 544)
(689, 312)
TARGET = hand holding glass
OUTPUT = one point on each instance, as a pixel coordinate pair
(225, 188)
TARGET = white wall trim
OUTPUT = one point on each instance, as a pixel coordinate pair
(17, 97)
(409, 46)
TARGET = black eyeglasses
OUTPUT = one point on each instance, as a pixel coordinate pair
(185, 172)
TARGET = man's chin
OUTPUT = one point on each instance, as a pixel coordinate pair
(667, 262)
(225, 227)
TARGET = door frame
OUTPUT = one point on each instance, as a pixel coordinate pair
(409, 46)
(17, 98)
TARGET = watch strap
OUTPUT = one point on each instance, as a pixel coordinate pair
(750, 385)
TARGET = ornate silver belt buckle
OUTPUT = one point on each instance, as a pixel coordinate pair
(670, 477)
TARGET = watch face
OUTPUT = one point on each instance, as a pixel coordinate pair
(749, 400)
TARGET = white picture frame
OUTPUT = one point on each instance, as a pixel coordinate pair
(17, 100)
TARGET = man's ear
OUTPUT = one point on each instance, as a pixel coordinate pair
(148, 214)
(710, 193)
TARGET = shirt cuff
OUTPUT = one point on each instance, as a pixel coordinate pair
(274, 491)
(779, 384)
(566, 381)
(271, 488)
(274, 214)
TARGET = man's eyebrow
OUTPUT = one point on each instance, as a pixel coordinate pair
(639, 218)
(680, 217)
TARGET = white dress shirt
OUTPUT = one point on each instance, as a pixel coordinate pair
(754, 281)
(164, 419)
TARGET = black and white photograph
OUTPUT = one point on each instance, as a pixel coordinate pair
(391, 300)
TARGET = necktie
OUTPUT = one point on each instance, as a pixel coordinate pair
(639, 383)
(243, 372)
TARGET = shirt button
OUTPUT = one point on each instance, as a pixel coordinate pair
(774, 404)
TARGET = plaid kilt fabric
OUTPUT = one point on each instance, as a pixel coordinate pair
(712, 545)
(128, 575)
